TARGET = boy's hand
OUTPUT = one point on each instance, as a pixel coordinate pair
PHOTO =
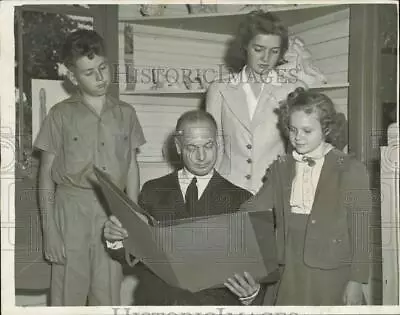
(353, 294)
(244, 287)
(54, 249)
(113, 230)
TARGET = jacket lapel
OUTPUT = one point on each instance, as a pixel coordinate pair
(235, 98)
(324, 190)
(264, 107)
(288, 173)
(179, 202)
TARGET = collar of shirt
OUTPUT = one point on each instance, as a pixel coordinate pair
(316, 154)
(243, 75)
(252, 100)
(245, 79)
(305, 182)
(185, 178)
(110, 102)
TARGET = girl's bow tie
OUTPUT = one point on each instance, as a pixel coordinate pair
(311, 157)
(308, 160)
(303, 159)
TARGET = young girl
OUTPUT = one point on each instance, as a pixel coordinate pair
(321, 202)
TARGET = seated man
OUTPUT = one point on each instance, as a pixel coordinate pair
(195, 190)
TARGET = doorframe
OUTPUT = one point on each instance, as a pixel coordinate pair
(364, 64)
(365, 119)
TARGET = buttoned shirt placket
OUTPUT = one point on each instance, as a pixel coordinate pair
(96, 153)
(99, 147)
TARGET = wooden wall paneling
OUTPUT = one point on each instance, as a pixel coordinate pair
(145, 102)
(158, 116)
(337, 93)
(322, 20)
(324, 32)
(175, 51)
(329, 47)
(333, 64)
(179, 33)
(341, 76)
(176, 60)
(158, 43)
(327, 39)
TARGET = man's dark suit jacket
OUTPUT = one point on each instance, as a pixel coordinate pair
(163, 199)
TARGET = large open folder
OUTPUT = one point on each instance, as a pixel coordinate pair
(196, 253)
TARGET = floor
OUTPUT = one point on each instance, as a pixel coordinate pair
(32, 299)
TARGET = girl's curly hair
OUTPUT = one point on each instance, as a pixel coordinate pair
(254, 23)
(333, 123)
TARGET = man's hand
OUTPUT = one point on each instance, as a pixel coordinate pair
(54, 248)
(246, 288)
(353, 294)
(113, 230)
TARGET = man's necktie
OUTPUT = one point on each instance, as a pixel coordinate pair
(191, 196)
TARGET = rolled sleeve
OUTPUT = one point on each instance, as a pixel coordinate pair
(137, 136)
(49, 138)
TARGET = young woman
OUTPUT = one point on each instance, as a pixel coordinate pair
(243, 105)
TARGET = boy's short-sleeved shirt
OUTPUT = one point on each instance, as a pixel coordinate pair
(81, 139)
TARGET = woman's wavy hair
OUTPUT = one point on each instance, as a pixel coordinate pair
(333, 123)
(254, 23)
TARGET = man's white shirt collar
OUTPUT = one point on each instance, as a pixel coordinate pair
(185, 178)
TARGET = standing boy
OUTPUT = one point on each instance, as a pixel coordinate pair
(88, 129)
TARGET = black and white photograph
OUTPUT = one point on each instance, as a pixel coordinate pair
(208, 157)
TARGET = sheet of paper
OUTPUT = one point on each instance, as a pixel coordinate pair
(196, 253)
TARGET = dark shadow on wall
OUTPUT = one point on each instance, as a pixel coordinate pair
(170, 153)
(69, 87)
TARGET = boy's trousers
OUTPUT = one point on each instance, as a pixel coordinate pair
(89, 275)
